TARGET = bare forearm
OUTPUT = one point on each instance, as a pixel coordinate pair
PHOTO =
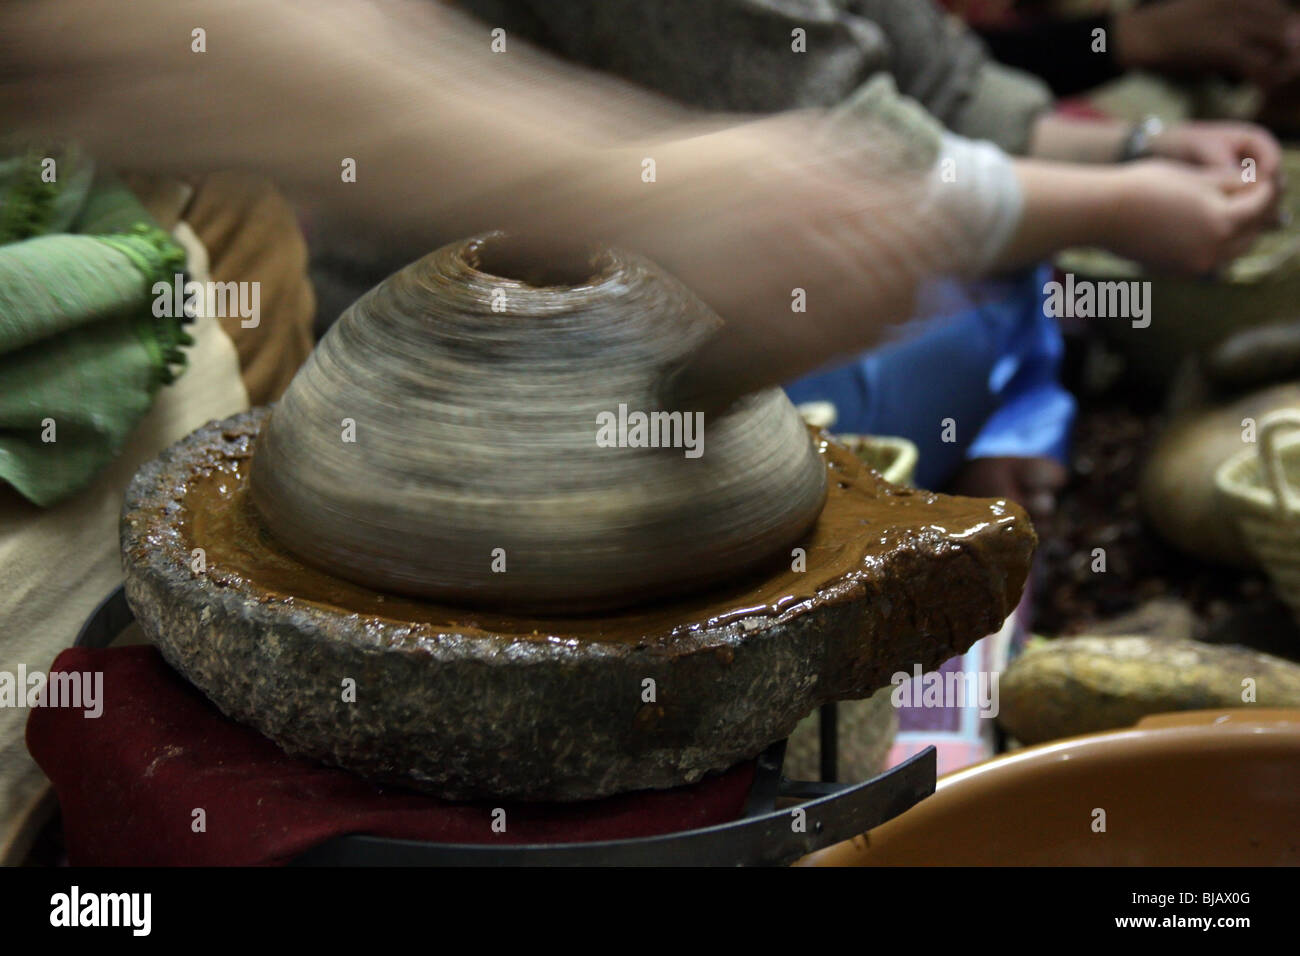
(405, 90)
(1069, 140)
(1064, 205)
(450, 139)
(1159, 213)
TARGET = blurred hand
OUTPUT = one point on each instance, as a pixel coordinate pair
(1251, 39)
(1222, 146)
(1184, 220)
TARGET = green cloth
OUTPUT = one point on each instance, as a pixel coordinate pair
(80, 346)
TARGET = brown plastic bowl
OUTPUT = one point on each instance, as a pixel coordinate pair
(1212, 787)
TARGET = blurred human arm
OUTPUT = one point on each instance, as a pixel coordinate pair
(1257, 40)
(1245, 39)
(763, 56)
(450, 139)
(1217, 144)
(1165, 215)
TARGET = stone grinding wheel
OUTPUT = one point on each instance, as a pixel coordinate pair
(327, 563)
(474, 382)
(470, 704)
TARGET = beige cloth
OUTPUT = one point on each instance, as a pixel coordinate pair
(251, 234)
(56, 564)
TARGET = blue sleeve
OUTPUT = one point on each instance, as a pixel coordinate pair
(1034, 411)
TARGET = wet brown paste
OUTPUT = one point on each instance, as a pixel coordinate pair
(864, 520)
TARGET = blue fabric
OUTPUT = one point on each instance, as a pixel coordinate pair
(983, 355)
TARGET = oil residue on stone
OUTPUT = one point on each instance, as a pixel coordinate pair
(864, 521)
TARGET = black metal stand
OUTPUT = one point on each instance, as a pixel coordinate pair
(775, 828)
(828, 725)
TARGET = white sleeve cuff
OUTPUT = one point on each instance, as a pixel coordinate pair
(974, 183)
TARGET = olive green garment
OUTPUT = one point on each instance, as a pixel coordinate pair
(82, 353)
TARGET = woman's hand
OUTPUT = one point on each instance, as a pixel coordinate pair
(1165, 215)
(1252, 39)
(1222, 146)
(1183, 220)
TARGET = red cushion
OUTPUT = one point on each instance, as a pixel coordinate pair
(129, 783)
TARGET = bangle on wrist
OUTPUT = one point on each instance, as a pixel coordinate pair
(1137, 144)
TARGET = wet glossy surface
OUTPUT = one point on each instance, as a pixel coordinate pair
(1199, 788)
(865, 521)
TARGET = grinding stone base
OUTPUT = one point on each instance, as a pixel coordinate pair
(468, 717)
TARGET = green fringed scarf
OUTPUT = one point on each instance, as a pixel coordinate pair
(82, 353)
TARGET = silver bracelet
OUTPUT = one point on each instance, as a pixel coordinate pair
(1137, 143)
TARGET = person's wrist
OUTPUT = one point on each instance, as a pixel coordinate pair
(1146, 138)
(1116, 193)
(1165, 144)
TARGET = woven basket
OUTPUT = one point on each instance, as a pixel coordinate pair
(893, 458)
(1259, 488)
(866, 727)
